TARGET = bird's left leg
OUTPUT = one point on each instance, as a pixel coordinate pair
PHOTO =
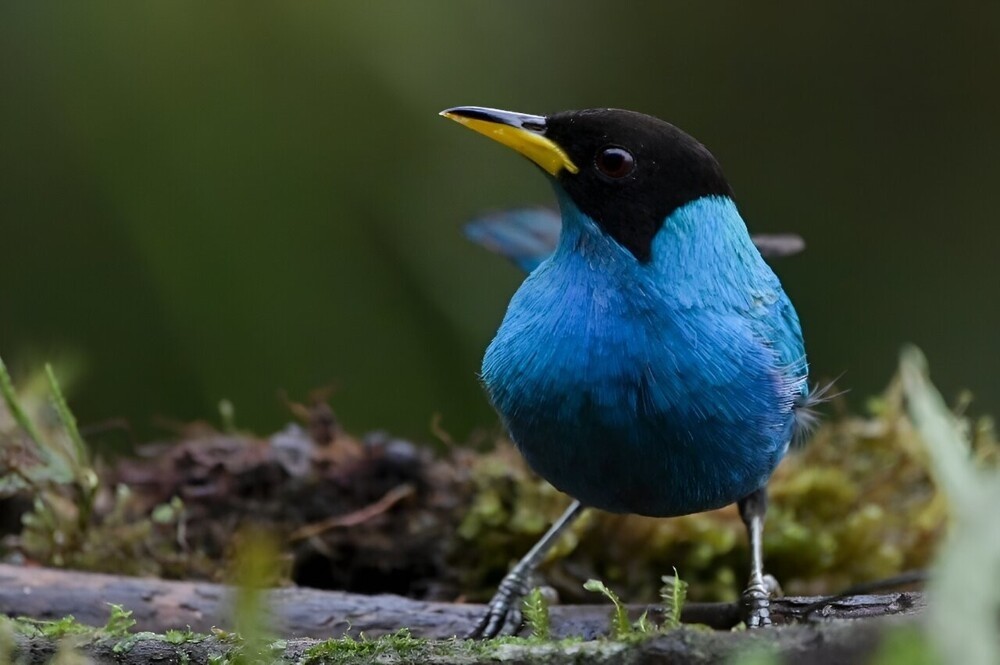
(514, 585)
(756, 597)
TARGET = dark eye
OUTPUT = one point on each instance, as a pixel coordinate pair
(615, 162)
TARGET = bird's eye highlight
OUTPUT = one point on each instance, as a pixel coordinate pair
(615, 162)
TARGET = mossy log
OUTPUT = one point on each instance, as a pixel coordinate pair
(827, 643)
(159, 605)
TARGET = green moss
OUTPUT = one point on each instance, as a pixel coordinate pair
(57, 629)
(673, 594)
(120, 622)
(188, 636)
(400, 646)
(564, 650)
(72, 634)
(44, 456)
(535, 610)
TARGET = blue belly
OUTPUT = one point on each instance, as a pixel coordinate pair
(633, 406)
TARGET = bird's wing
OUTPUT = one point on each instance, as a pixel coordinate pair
(528, 236)
(776, 323)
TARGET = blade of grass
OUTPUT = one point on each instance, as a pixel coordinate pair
(14, 406)
(964, 593)
(67, 418)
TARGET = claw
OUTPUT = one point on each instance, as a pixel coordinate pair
(502, 616)
(773, 587)
(757, 606)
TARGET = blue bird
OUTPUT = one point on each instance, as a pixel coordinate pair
(652, 364)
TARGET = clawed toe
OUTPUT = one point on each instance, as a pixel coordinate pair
(757, 606)
(502, 615)
(496, 620)
(772, 586)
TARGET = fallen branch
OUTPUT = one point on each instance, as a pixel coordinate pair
(158, 605)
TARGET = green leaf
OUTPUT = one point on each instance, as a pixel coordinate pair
(644, 625)
(673, 593)
(620, 626)
(80, 453)
(14, 406)
(120, 622)
(536, 614)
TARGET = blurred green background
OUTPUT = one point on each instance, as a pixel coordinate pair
(224, 200)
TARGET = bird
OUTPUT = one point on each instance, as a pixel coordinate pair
(651, 363)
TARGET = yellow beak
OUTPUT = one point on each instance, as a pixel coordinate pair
(522, 132)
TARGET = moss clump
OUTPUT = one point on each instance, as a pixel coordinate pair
(673, 594)
(67, 626)
(535, 610)
(45, 461)
(400, 646)
(72, 635)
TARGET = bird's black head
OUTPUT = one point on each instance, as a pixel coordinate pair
(625, 170)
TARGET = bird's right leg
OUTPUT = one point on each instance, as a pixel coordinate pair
(756, 598)
(515, 584)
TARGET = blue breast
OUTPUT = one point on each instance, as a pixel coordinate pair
(660, 389)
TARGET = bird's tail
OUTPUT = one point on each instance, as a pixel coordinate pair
(807, 415)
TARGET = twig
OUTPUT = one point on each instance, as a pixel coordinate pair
(391, 498)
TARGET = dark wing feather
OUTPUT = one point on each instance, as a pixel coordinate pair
(528, 236)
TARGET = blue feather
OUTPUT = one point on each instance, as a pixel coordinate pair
(526, 236)
(662, 388)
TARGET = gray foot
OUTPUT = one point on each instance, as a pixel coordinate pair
(503, 614)
(757, 606)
